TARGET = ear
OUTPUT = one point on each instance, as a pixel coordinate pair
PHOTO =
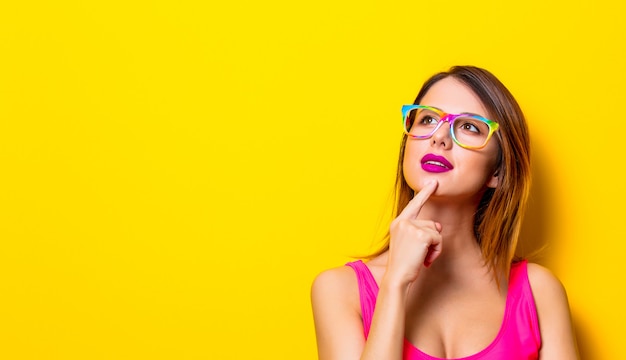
(492, 182)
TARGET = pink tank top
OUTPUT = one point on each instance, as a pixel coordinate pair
(518, 338)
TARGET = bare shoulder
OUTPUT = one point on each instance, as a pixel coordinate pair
(336, 285)
(337, 314)
(545, 285)
(342, 282)
(553, 312)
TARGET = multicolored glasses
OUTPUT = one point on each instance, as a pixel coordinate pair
(468, 130)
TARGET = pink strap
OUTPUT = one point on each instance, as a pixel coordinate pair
(368, 291)
(521, 292)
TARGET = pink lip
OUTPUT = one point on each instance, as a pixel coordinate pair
(435, 163)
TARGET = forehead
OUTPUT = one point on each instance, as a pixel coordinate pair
(452, 96)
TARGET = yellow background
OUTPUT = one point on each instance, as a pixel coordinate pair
(174, 174)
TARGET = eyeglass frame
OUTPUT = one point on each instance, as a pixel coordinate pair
(443, 117)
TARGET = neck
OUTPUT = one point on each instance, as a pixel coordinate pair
(460, 246)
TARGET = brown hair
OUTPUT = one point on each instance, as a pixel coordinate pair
(499, 215)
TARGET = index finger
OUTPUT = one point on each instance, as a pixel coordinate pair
(415, 205)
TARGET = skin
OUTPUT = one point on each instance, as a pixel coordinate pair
(435, 289)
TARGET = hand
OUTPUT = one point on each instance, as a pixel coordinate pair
(413, 242)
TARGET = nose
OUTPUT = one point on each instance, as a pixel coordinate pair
(441, 136)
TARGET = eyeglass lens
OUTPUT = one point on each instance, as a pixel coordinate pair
(468, 130)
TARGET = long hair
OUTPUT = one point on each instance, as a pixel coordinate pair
(499, 215)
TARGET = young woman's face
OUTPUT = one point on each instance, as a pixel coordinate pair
(466, 173)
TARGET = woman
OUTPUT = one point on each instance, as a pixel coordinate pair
(445, 285)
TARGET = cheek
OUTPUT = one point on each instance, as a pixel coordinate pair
(407, 157)
(494, 157)
(410, 165)
(410, 158)
(489, 164)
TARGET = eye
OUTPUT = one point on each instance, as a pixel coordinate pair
(468, 126)
(428, 120)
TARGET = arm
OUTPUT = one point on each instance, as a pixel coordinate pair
(338, 327)
(386, 337)
(335, 299)
(555, 323)
(338, 323)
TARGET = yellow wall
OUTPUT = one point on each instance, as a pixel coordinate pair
(174, 174)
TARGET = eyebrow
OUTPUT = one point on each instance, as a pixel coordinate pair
(461, 113)
(469, 113)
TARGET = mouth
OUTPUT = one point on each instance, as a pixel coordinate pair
(435, 163)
